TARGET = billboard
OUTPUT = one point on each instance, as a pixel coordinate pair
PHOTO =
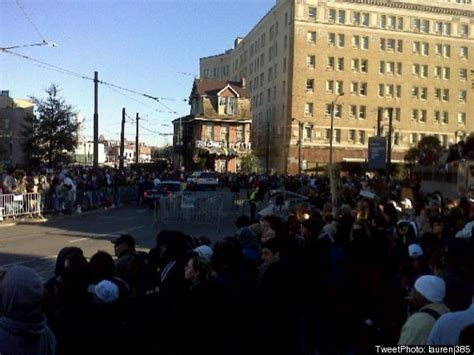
(377, 153)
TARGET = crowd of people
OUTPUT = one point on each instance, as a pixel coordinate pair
(379, 269)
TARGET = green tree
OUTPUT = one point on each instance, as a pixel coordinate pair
(430, 150)
(468, 148)
(249, 163)
(412, 156)
(53, 131)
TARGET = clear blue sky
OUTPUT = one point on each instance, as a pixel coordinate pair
(139, 45)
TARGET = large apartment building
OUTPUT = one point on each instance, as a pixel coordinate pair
(414, 58)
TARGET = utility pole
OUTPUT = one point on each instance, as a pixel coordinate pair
(96, 119)
(267, 162)
(379, 121)
(389, 143)
(122, 141)
(300, 143)
(137, 148)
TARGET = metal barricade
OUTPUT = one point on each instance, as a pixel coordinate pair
(200, 208)
(12, 206)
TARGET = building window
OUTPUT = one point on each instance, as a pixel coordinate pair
(462, 118)
(463, 96)
(355, 64)
(423, 115)
(330, 86)
(398, 93)
(425, 26)
(308, 109)
(425, 49)
(362, 112)
(331, 39)
(365, 43)
(445, 119)
(446, 29)
(311, 37)
(445, 95)
(312, 13)
(447, 51)
(332, 15)
(337, 135)
(228, 105)
(339, 87)
(355, 42)
(414, 138)
(383, 21)
(353, 111)
(310, 85)
(311, 61)
(416, 25)
(341, 18)
(463, 52)
(364, 65)
(328, 110)
(340, 40)
(327, 135)
(437, 117)
(352, 135)
(340, 64)
(423, 93)
(446, 73)
(464, 30)
(354, 88)
(365, 19)
(210, 131)
(437, 94)
(463, 74)
(330, 63)
(337, 111)
(361, 137)
(225, 133)
(356, 18)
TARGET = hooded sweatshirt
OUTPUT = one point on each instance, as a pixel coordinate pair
(23, 328)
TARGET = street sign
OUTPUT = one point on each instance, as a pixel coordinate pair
(377, 153)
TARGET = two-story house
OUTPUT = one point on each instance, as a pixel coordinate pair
(217, 131)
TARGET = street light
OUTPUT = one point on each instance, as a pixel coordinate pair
(40, 44)
(332, 182)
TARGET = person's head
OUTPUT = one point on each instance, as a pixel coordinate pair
(102, 266)
(271, 226)
(73, 281)
(63, 254)
(437, 226)
(428, 289)
(271, 251)
(242, 221)
(21, 292)
(204, 251)
(198, 268)
(172, 244)
(311, 227)
(123, 244)
(106, 291)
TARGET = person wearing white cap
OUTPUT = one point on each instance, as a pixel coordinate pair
(427, 296)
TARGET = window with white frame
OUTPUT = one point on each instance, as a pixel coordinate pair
(446, 51)
(437, 72)
(390, 67)
(365, 43)
(311, 61)
(331, 39)
(416, 47)
(332, 15)
(445, 117)
(308, 133)
(308, 109)
(415, 69)
(330, 63)
(328, 110)
(355, 18)
(415, 92)
(341, 17)
(354, 88)
(424, 71)
(438, 27)
(337, 111)
(330, 86)
(364, 65)
(423, 116)
(355, 41)
(225, 133)
(312, 13)
(389, 90)
(352, 136)
(437, 94)
(355, 64)
(414, 114)
(414, 138)
(462, 118)
(425, 26)
(362, 112)
(437, 117)
(464, 30)
(400, 46)
(228, 105)
(416, 25)
(361, 137)
(240, 134)
(391, 22)
(463, 96)
(446, 29)
(365, 19)
(352, 111)
(327, 135)
(445, 96)
(209, 131)
(340, 40)
(463, 52)
(309, 85)
(381, 90)
(398, 91)
(337, 135)
(425, 49)
(399, 68)
(339, 87)
(340, 64)
(311, 37)
(423, 93)
(363, 89)
(463, 74)
(446, 73)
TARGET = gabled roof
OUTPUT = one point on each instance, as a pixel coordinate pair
(203, 87)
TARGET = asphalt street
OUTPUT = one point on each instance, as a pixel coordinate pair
(37, 244)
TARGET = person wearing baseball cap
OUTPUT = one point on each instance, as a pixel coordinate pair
(427, 297)
(124, 247)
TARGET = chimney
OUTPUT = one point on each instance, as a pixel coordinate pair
(243, 83)
(237, 41)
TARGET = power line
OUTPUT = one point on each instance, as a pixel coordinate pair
(30, 21)
(82, 76)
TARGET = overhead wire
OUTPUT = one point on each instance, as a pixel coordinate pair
(30, 20)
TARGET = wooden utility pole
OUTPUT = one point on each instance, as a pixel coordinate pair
(137, 148)
(122, 141)
(96, 119)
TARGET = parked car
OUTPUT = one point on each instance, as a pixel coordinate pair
(163, 189)
(204, 179)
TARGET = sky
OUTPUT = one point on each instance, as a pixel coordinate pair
(150, 47)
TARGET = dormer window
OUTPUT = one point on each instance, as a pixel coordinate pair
(227, 105)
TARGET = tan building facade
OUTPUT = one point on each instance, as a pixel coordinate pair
(413, 58)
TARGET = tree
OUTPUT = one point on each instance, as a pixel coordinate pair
(468, 148)
(412, 156)
(249, 163)
(430, 150)
(53, 131)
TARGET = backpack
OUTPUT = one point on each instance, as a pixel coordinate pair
(431, 312)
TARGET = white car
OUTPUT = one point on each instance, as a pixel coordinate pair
(204, 179)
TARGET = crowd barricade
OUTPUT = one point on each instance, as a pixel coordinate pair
(200, 208)
(12, 206)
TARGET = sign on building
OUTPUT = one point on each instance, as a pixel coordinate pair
(377, 153)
